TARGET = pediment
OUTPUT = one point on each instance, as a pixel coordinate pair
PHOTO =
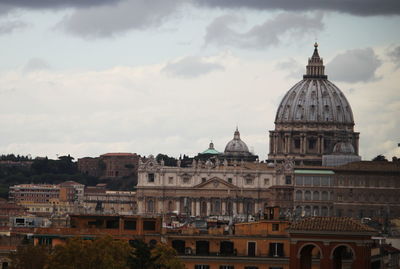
(215, 183)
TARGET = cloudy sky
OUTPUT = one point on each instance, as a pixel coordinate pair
(86, 77)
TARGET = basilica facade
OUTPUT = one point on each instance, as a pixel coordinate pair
(214, 187)
(306, 173)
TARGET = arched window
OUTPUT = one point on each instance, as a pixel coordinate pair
(316, 196)
(150, 206)
(307, 196)
(299, 195)
(170, 206)
(307, 211)
(249, 207)
(315, 211)
(324, 196)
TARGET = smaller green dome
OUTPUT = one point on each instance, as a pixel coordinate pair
(211, 150)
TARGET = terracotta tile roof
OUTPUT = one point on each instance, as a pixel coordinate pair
(330, 224)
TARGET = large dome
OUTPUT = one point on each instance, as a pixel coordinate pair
(314, 99)
(236, 146)
(313, 116)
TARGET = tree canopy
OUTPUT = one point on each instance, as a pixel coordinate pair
(100, 253)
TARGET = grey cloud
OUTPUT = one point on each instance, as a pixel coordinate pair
(358, 65)
(106, 21)
(394, 56)
(355, 7)
(271, 32)
(39, 4)
(190, 67)
(294, 68)
(10, 26)
(36, 64)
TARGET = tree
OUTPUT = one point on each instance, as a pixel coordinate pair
(159, 257)
(380, 158)
(165, 257)
(140, 257)
(29, 257)
(101, 253)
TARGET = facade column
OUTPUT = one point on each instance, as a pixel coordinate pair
(357, 143)
(322, 145)
(208, 208)
(286, 139)
(140, 207)
(234, 207)
(177, 206)
(223, 208)
(271, 143)
(304, 138)
(193, 210)
(160, 208)
(256, 208)
(240, 207)
(197, 208)
(319, 144)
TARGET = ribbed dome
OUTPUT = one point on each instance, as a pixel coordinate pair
(314, 99)
(236, 146)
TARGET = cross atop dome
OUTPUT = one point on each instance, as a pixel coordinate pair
(315, 67)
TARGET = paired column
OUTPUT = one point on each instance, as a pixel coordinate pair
(193, 206)
(208, 208)
(197, 208)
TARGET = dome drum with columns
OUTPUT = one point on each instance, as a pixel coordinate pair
(313, 116)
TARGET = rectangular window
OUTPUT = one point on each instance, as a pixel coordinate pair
(203, 179)
(311, 143)
(266, 181)
(150, 177)
(130, 224)
(249, 181)
(275, 227)
(316, 181)
(45, 241)
(297, 143)
(288, 179)
(276, 250)
(226, 267)
(251, 249)
(170, 180)
(307, 180)
(299, 180)
(112, 224)
(201, 266)
(250, 267)
(149, 225)
(230, 180)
